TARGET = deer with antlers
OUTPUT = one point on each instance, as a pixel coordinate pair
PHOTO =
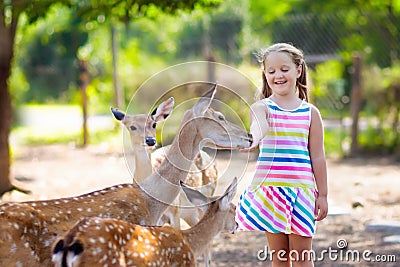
(110, 242)
(141, 203)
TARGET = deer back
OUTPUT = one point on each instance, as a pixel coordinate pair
(124, 202)
(20, 226)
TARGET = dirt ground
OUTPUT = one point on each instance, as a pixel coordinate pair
(364, 198)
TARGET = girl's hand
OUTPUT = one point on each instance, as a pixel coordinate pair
(248, 149)
(321, 208)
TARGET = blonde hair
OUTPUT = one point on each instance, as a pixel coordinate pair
(298, 59)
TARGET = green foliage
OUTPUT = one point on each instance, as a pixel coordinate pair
(49, 58)
(149, 40)
(334, 138)
(379, 140)
(328, 88)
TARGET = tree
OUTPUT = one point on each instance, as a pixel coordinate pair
(10, 12)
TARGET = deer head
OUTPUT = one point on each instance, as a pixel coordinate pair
(142, 127)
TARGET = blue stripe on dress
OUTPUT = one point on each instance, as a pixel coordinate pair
(275, 159)
(304, 220)
(294, 111)
(248, 217)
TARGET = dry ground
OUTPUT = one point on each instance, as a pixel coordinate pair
(361, 192)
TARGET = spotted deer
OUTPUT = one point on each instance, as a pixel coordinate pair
(142, 130)
(203, 173)
(101, 242)
(141, 203)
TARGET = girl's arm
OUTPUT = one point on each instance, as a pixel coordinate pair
(259, 123)
(318, 161)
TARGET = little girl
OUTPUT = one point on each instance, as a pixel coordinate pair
(288, 192)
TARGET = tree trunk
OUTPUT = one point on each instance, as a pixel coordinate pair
(355, 102)
(7, 34)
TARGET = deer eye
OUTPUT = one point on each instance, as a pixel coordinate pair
(221, 117)
(133, 128)
(154, 125)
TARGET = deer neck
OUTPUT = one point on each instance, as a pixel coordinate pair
(163, 185)
(142, 164)
(200, 235)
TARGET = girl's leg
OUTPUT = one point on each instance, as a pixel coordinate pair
(300, 250)
(279, 249)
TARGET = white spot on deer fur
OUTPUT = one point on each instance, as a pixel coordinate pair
(16, 226)
(53, 219)
(48, 243)
(79, 209)
(13, 248)
(18, 264)
(102, 240)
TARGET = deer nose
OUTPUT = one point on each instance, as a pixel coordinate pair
(150, 141)
(250, 138)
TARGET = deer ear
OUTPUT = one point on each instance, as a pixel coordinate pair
(194, 196)
(58, 251)
(228, 195)
(163, 110)
(76, 248)
(204, 102)
(119, 115)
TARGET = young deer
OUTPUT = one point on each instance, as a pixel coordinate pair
(203, 173)
(142, 203)
(142, 130)
(110, 242)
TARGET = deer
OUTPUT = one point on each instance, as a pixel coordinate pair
(142, 130)
(203, 173)
(110, 242)
(141, 203)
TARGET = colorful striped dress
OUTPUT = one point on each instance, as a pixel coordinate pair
(281, 196)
